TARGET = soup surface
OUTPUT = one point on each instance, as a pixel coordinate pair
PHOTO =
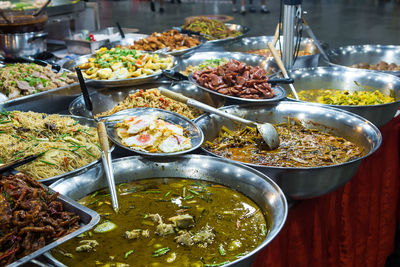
(168, 222)
(299, 147)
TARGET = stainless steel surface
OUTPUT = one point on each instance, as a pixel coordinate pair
(70, 65)
(22, 44)
(301, 183)
(106, 98)
(346, 56)
(88, 219)
(289, 12)
(346, 79)
(109, 170)
(86, 122)
(194, 132)
(279, 94)
(260, 42)
(261, 189)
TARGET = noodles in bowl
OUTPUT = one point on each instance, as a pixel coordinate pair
(62, 143)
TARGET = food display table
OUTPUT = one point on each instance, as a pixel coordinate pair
(352, 226)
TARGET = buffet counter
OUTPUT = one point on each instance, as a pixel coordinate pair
(352, 226)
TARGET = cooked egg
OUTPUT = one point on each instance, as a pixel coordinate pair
(175, 143)
(141, 123)
(104, 73)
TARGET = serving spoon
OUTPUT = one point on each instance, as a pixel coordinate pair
(267, 130)
(103, 139)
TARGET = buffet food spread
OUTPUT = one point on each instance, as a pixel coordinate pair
(164, 220)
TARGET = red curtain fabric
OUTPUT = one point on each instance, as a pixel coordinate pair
(352, 226)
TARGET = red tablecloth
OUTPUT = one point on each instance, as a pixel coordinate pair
(353, 226)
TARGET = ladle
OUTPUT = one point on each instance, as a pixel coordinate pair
(41, 9)
(267, 130)
(103, 138)
(282, 68)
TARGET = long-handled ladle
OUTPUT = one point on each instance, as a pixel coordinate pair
(103, 138)
(267, 130)
(279, 62)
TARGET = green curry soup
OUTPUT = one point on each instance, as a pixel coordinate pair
(168, 222)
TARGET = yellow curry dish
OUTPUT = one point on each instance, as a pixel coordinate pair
(168, 222)
(120, 63)
(344, 97)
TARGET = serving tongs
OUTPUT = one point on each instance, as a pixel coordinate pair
(190, 32)
(279, 62)
(41, 9)
(103, 138)
(14, 164)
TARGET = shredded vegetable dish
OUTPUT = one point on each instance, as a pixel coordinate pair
(120, 63)
(168, 222)
(18, 79)
(152, 98)
(63, 143)
(340, 97)
(212, 28)
(207, 64)
(299, 147)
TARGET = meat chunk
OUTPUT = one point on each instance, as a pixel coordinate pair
(134, 234)
(184, 238)
(205, 235)
(86, 245)
(155, 217)
(5, 212)
(164, 229)
(24, 86)
(182, 221)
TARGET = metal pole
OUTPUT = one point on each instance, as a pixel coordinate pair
(289, 15)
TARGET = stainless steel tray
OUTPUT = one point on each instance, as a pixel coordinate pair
(195, 133)
(70, 65)
(88, 217)
(260, 42)
(106, 98)
(333, 78)
(346, 56)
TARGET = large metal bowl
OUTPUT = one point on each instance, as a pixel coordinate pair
(260, 42)
(261, 189)
(346, 56)
(300, 183)
(347, 79)
(72, 64)
(105, 99)
(193, 131)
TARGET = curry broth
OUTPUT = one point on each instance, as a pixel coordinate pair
(233, 222)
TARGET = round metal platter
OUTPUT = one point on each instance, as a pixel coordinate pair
(243, 29)
(352, 80)
(280, 94)
(249, 59)
(107, 98)
(70, 65)
(195, 133)
(346, 56)
(260, 42)
(86, 122)
(302, 182)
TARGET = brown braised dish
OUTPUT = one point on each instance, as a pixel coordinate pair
(236, 79)
(382, 65)
(30, 217)
(168, 222)
(267, 53)
(172, 39)
(299, 147)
